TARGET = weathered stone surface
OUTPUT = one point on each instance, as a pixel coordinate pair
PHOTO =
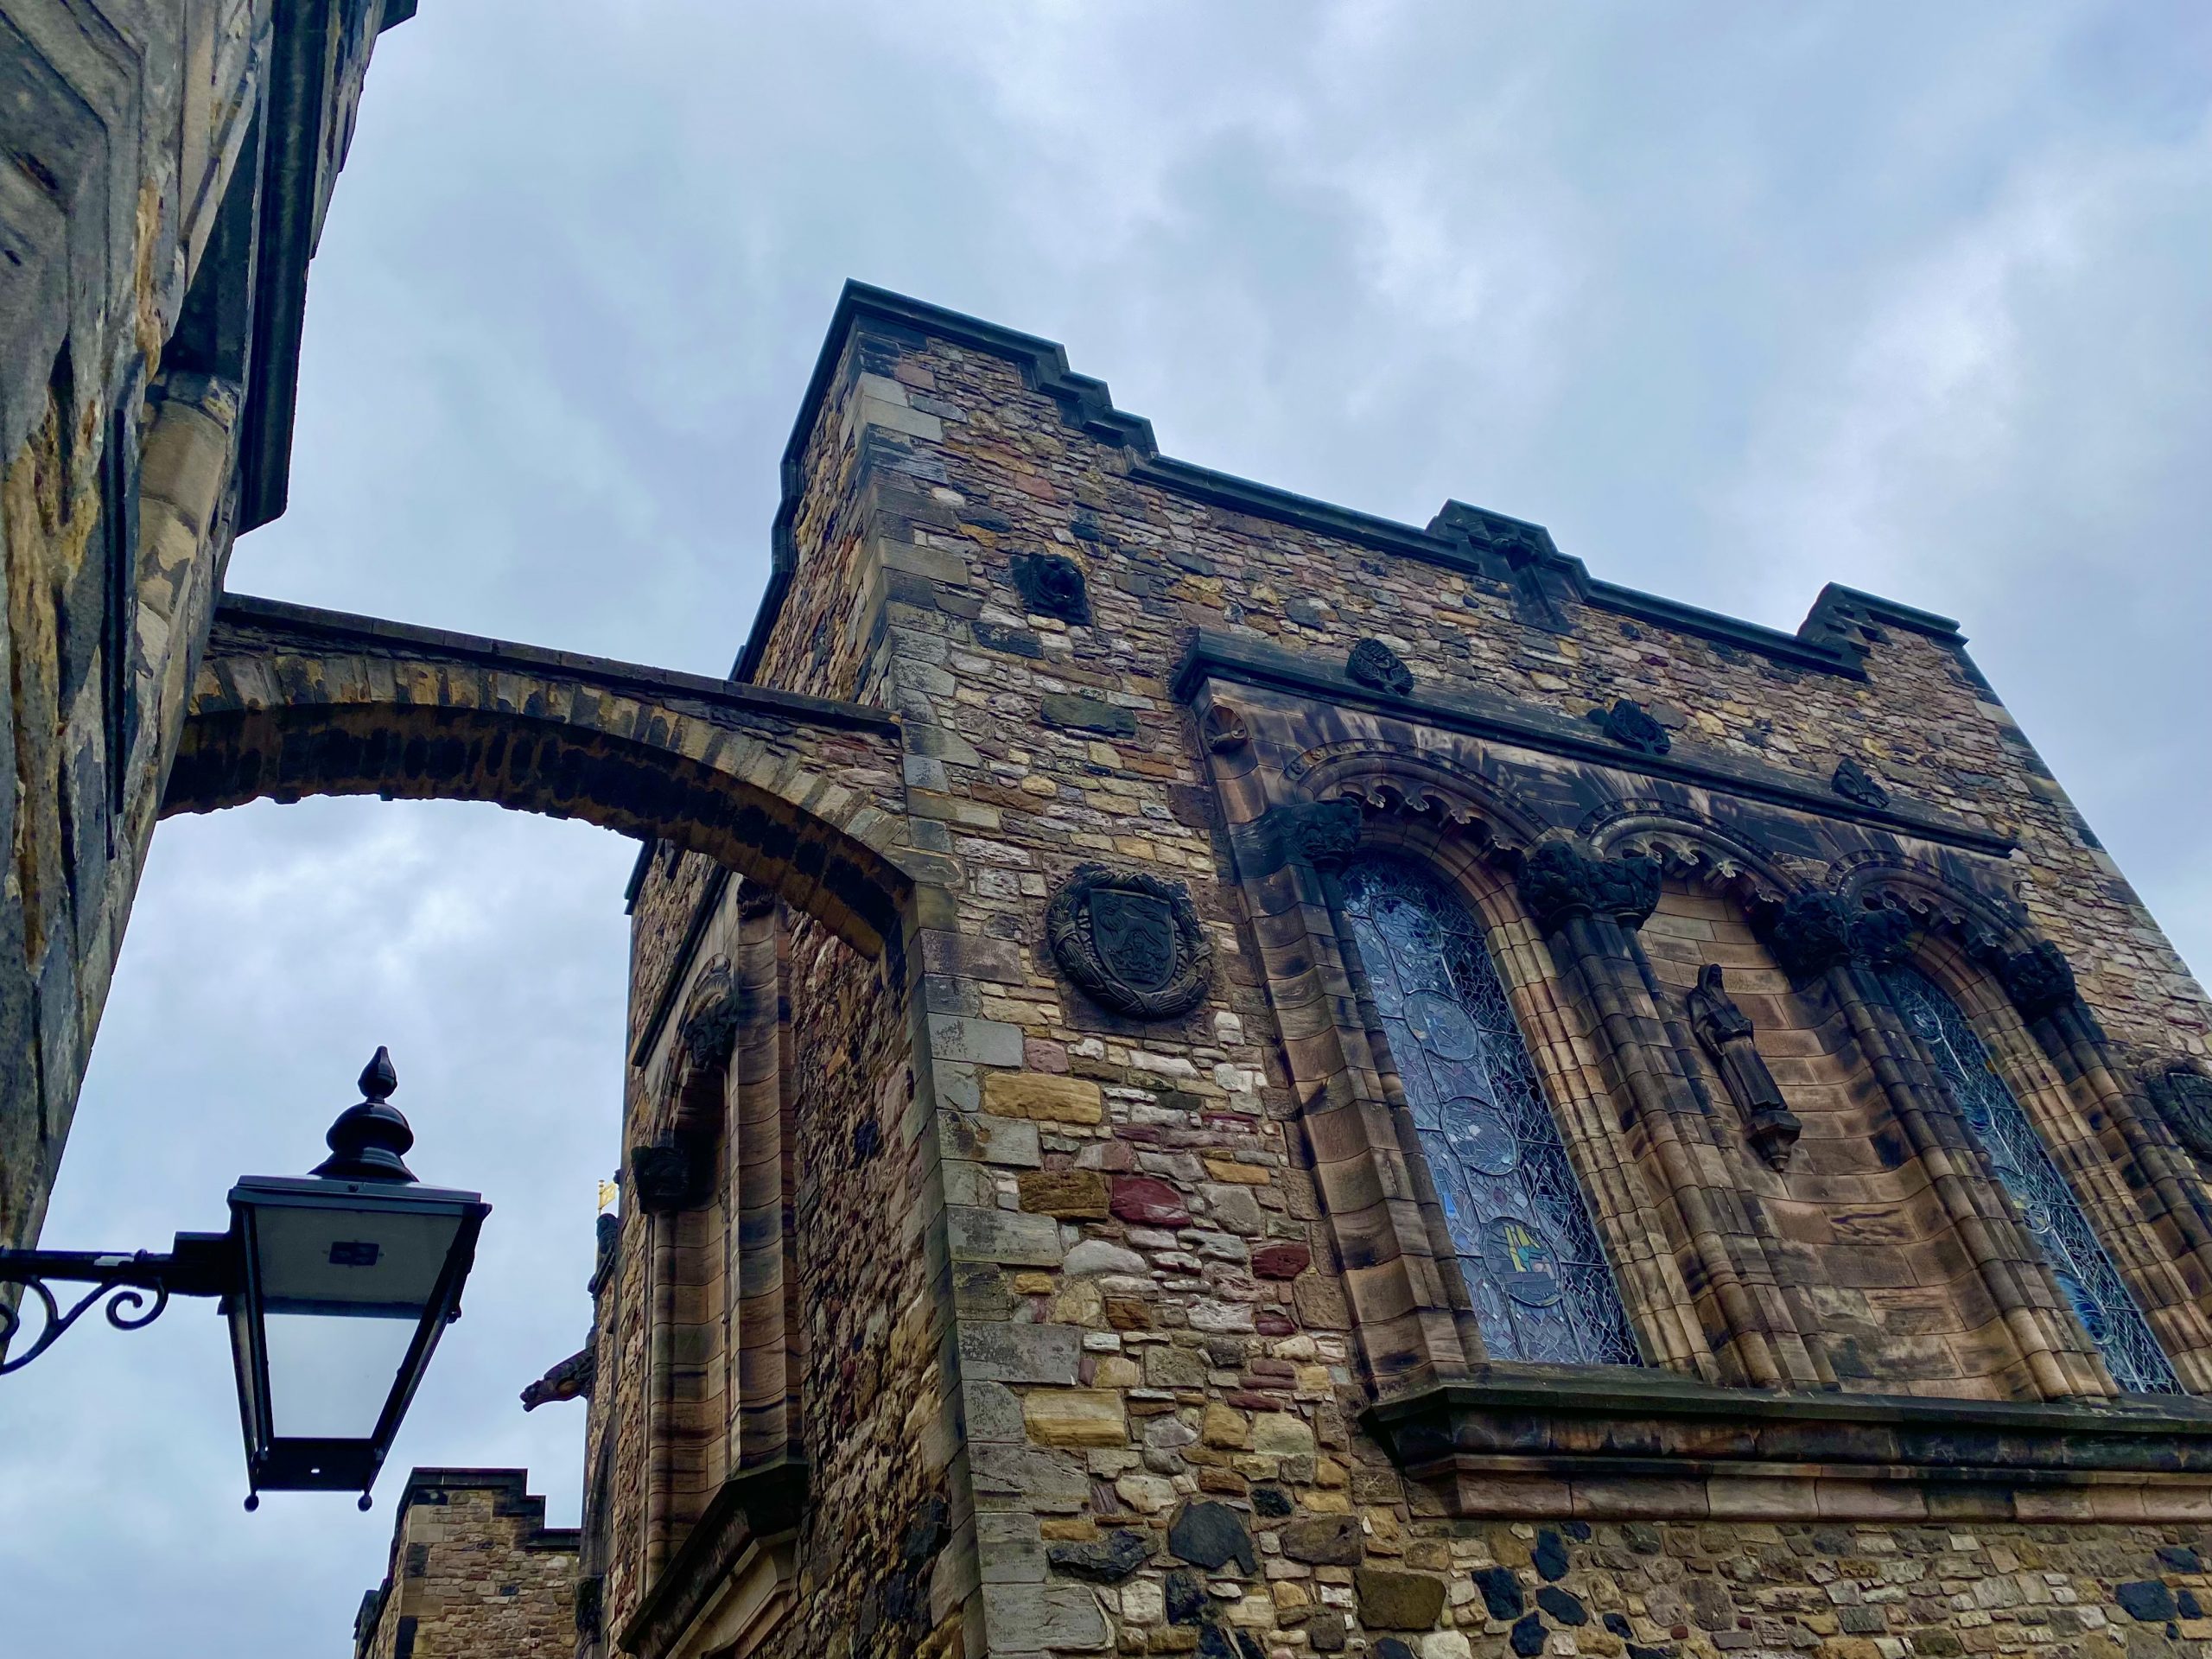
(1030, 1477)
(1281, 1434)
(1003, 1235)
(1549, 1556)
(1324, 1539)
(1144, 1201)
(1186, 1596)
(1019, 1353)
(1096, 1257)
(1076, 712)
(1043, 1095)
(1566, 1608)
(1108, 1561)
(1211, 1535)
(1280, 1260)
(1075, 1417)
(1527, 1636)
(1391, 1600)
(1069, 1194)
(2147, 1599)
(1026, 1618)
(1501, 1592)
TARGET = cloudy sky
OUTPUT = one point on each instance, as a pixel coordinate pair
(1737, 299)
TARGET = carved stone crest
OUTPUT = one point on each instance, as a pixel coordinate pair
(2183, 1095)
(1724, 1030)
(1372, 663)
(1131, 940)
(711, 1016)
(1051, 585)
(1320, 833)
(1854, 783)
(1629, 724)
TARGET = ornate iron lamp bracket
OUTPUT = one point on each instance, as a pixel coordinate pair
(201, 1264)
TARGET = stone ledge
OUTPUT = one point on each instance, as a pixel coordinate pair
(1607, 1443)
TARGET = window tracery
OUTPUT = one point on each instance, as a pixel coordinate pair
(1541, 1288)
(2024, 1167)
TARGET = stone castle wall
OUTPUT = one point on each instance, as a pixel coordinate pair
(1186, 1257)
(475, 1572)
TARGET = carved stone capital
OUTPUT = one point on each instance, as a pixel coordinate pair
(2039, 980)
(1559, 882)
(1374, 664)
(2183, 1096)
(1814, 931)
(1051, 584)
(669, 1175)
(708, 1032)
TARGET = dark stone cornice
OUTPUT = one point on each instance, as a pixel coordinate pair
(1833, 638)
(1488, 714)
(1662, 1444)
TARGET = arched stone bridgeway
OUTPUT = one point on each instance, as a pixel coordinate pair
(797, 793)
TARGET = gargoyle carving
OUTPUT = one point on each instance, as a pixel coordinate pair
(571, 1379)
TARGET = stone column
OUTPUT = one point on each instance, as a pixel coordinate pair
(1819, 938)
(1588, 909)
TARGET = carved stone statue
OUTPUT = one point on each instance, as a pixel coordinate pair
(1725, 1030)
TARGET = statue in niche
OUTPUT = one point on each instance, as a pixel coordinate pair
(1725, 1030)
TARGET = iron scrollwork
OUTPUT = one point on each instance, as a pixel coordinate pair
(202, 1265)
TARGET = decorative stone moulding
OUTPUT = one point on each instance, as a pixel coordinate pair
(1224, 728)
(1559, 882)
(1629, 724)
(1374, 664)
(1132, 941)
(1854, 783)
(2183, 1096)
(1051, 584)
(672, 1174)
(2039, 980)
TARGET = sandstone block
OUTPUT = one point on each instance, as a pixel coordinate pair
(1075, 1417)
(1041, 1095)
(1071, 1194)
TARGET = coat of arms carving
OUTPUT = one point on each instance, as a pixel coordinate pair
(1131, 940)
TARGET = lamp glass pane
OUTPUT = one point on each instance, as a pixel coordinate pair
(328, 1259)
(330, 1375)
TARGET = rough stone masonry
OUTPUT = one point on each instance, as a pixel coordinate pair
(1426, 1104)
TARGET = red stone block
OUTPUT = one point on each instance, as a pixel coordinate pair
(1284, 1260)
(1145, 1201)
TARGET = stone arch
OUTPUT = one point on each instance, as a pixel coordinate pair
(1387, 780)
(799, 795)
(1933, 901)
(1690, 850)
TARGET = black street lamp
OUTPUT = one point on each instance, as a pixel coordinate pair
(337, 1286)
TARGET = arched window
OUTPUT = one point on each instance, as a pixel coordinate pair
(2023, 1167)
(1539, 1281)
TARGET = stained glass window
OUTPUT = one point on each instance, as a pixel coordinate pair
(1539, 1281)
(2024, 1167)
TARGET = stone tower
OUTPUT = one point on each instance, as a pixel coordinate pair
(1421, 1102)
